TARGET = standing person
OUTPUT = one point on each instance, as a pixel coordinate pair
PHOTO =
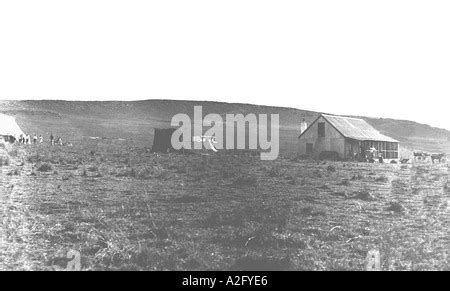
(35, 138)
(380, 158)
(41, 139)
(51, 138)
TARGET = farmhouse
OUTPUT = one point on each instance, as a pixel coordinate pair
(346, 136)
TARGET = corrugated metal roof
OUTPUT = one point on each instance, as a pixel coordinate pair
(356, 128)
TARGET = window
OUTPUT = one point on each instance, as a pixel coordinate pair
(391, 150)
(309, 148)
(321, 129)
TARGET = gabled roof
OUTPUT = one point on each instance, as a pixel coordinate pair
(354, 128)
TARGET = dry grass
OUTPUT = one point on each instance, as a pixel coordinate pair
(4, 161)
(126, 209)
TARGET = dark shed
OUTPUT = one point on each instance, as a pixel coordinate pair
(162, 140)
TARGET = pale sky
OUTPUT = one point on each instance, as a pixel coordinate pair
(374, 58)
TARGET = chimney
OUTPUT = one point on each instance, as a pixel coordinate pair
(303, 126)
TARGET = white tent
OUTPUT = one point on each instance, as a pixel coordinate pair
(9, 126)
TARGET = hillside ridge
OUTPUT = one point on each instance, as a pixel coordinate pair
(158, 113)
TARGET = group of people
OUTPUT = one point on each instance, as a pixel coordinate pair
(28, 139)
(370, 155)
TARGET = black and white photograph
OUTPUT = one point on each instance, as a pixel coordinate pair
(224, 136)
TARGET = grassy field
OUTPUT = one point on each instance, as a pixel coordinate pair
(124, 208)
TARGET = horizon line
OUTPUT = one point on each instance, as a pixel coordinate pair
(223, 102)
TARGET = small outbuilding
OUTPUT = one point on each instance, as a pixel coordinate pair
(347, 137)
(162, 140)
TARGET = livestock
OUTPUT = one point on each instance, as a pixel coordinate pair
(420, 155)
(438, 157)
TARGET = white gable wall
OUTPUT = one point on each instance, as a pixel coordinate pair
(8, 126)
(333, 140)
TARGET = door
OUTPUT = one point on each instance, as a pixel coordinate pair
(309, 148)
